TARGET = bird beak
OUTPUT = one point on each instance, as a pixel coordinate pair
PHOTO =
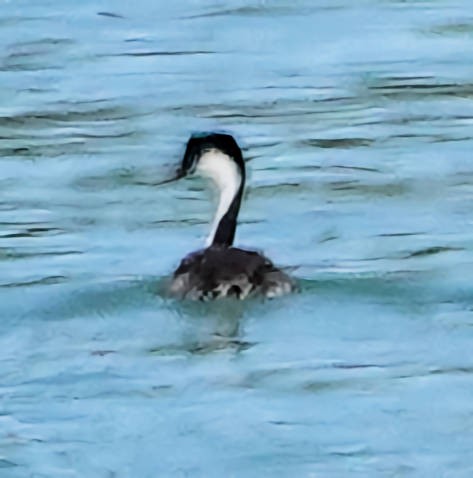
(177, 175)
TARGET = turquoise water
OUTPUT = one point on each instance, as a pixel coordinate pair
(356, 121)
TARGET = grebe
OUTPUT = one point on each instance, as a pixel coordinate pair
(221, 270)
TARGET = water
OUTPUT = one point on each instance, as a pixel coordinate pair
(356, 121)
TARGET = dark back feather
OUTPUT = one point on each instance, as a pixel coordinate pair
(215, 271)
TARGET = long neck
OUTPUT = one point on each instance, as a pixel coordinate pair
(225, 224)
(229, 179)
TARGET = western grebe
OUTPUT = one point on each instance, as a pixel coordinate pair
(221, 270)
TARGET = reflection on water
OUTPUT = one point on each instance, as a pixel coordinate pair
(356, 124)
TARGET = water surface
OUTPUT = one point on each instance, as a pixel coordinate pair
(356, 122)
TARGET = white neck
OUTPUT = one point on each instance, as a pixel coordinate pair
(224, 173)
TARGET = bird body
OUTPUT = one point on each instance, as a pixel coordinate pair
(228, 272)
(221, 270)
